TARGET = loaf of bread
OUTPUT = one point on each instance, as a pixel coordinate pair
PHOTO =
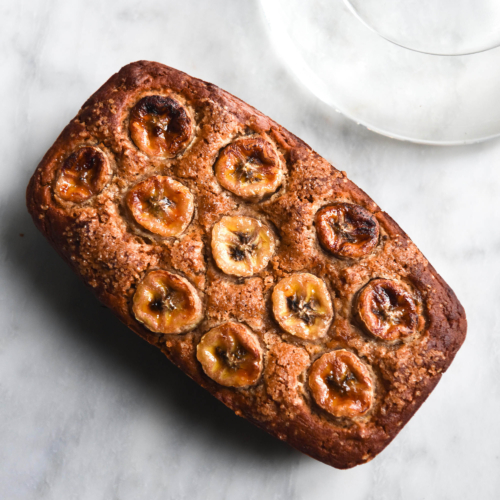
(257, 267)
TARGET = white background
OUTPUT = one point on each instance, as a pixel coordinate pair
(90, 411)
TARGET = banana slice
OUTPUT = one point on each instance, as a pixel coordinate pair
(231, 355)
(83, 174)
(161, 205)
(347, 230)
(242, 246)
(167, 303)
(341, 384)
(302, 306)
(249, 168)
(160, 126)
(387, 310)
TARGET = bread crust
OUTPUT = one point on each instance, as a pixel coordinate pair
(103, 245)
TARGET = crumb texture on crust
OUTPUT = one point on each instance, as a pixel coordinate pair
(104, 243)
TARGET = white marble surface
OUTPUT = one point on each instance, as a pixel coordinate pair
(89, 411)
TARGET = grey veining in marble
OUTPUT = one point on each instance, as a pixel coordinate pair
(89, 411)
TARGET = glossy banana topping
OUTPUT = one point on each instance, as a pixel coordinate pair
(231, 355)
(302, 306)
(249, 168)
(83, 174)
(242, 246)
(341, 384)
(387, 310)
(160, 126)
(347, 230)
(167, 303)
(161, 205)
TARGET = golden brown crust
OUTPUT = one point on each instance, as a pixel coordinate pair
(112, 254)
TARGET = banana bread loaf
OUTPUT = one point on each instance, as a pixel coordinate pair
(257, 267)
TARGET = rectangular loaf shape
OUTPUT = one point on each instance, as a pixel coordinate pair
(256, 267)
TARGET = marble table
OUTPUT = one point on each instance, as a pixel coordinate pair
(90, 411)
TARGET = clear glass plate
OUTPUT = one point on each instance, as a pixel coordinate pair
(373, 60)
(442, 27)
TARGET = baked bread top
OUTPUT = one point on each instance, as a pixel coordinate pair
(256, 266)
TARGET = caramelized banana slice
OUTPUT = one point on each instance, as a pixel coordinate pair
(83, 174)
(231, 355)
(249, 168)
(341, 384)
(347, 230)
(161, 205)
(242, 245)
(387, 310)
(160, 126)
(302, 306)
(167, 303)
